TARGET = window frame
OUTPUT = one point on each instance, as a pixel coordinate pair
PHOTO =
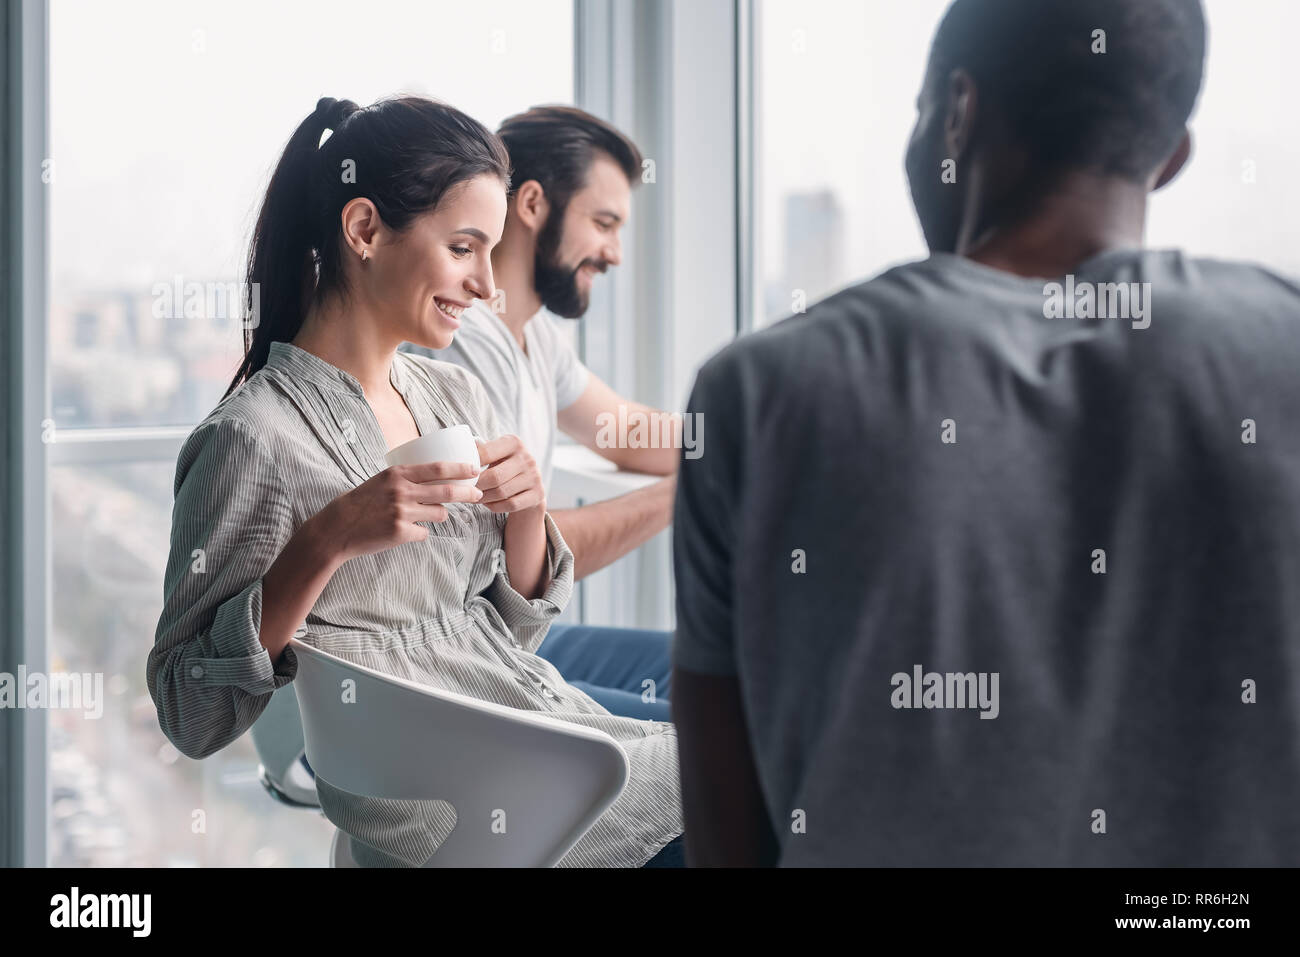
(659, 72)
(27, 520)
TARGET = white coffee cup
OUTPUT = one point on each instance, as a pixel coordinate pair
(455, 444)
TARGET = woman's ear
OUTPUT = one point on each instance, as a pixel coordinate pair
(361, 225)
(1174, 165)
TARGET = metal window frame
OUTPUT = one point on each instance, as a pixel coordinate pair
(10, 823)
(618, 52)
(27, 517)
(107, 446)
(748, 215)
(673, 75)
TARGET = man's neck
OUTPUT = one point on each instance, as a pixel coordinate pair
(1081, 217)
(512, 269)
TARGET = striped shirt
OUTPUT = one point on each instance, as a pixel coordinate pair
(442, 612)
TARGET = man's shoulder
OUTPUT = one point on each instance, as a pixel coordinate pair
(941, 293)
(1202, 275)
(1205, 304)
(799, 336)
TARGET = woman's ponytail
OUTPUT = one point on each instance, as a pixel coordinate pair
(281, 271)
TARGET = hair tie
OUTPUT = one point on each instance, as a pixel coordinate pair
(325, 107)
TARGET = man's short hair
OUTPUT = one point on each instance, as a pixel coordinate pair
(1118, 112)
(555, 145)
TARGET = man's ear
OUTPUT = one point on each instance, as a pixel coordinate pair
(959, 115)
(1174, 165)
(530, 205)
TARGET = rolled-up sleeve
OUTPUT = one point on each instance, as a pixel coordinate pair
(208, 674)
(528, 619)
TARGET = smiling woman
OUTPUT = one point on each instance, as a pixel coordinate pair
(284, 496)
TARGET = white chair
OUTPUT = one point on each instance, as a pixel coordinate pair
(277, 736)
(394, 738)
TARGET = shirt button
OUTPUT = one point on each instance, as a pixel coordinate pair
(196, 671)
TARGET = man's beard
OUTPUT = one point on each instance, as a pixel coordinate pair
(556, 284)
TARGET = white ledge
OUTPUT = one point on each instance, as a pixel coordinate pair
(578, 472)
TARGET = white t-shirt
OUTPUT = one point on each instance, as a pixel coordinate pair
(527, 389)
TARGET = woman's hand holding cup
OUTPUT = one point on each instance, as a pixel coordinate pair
(385, 510)
(512, 482)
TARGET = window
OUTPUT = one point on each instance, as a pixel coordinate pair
(836, 85)
(162, 142)
(1230, 199)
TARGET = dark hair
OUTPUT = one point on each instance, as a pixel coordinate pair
(555, 145)
(404, 154)
(1120, 112)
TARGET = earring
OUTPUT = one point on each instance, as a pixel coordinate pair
(365, 254)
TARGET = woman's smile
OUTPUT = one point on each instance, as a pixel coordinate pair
(450, 310)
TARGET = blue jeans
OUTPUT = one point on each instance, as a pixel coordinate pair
(672, 854)
(613, 664)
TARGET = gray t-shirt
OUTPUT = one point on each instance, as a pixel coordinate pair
(527, 390)
(926, 471)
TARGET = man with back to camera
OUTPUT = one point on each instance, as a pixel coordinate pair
(1049, 545)
(571, 182)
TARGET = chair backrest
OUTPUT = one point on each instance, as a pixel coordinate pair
(525, 786)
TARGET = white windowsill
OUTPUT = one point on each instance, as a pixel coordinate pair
(578, 472)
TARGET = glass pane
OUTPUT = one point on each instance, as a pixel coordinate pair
(837, 84)
(121, 794)
(1227, 200)
(163, 141)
